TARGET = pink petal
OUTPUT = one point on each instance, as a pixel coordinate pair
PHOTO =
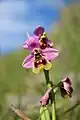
(28, 35)
(28, 61)
(50, 53)
(38, 30)
(49, 50)
(44, 99)
(66, 86)
(67, 80)
(31, 43)
(25, 46)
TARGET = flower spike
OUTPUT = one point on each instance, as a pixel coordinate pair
(41, 50)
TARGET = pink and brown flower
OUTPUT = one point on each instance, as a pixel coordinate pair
(40, 59)
(43, 39)
(66, 88)
(45, 99)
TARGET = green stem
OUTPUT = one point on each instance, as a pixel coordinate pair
(56, 87)
(46, 73)
(53, 107)
(48, 82)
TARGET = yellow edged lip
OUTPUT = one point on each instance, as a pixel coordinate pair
(41, 66)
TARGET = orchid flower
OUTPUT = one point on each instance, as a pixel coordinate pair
(40, 59)
(65, 88)
(44, 41)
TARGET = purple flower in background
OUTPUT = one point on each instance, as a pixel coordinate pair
(31, 43)
(44, 41)
(45, 99)
(40, 59)
(65, 88)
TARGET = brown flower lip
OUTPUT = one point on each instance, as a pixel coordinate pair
(39, 59)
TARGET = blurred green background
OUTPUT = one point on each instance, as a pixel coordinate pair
(23, 89)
